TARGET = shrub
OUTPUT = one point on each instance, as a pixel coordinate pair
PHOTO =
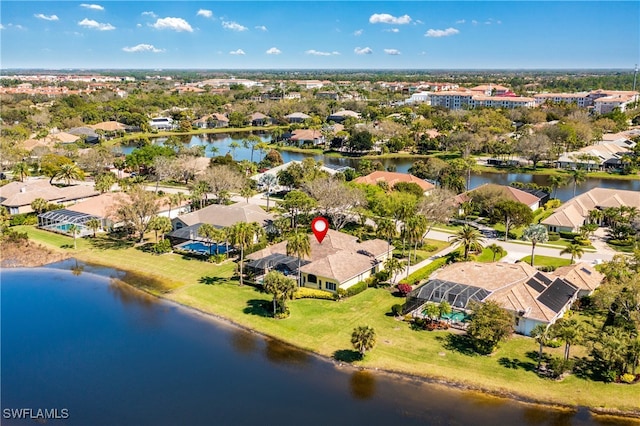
(313, 293)
(554, 236)
(404, 289)
(217, 258)
(553, 343)
(567, 235)
(582, 241)
(15, 237)
(353, 290)
(424, 273)
(429, 247)
(627, 378)
(546, 268)
(408, 318)
(160, 247)
(558, 366)
(397, 309)
(552, 204)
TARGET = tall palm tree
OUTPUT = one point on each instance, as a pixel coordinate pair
(569, 330)
(298, 244)
(247, 192)
(208, 232)
(175, 200)
(577, 176)
(242, 235)
(575, 250)
(387, 230)
(595, 216)
(21, 169)
(415, 227)
(234, 145)
(469, 238)
(496, 250)
(393, 266)
(268, 181)
(39, 205)
(535, 234)
(74, 230)
(542, 334)
(69, 172)
(363, 339)
(556, 181)
(94, 224)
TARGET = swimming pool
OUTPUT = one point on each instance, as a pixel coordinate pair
(203, 248)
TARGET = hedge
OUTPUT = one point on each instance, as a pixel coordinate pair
(313, 293)
(424, 273)
(554, 236)
(568, 235)
(353, 290)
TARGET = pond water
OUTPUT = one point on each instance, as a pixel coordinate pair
(220, 144)
(74, 339)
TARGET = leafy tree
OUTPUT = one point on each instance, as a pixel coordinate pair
(360, 141)
(282, 289)
(137, 210)
(335, 199)
(512, 213)
(490, 324)
(104, 182)
(469, 238)
(298, 244)
(535, 147)
(39, 205)
(297, 202)
(575, 250)
(535, 234)
(50, 165)
(21, 170)
(141, 159)
(437, 207)
(363, 339)
(94, 224)
(5, 219)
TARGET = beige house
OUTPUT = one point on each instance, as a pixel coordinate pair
(340, 261)
(573, 214)
(393, 178)
(18, 196)
(507, 193)
(534, 297)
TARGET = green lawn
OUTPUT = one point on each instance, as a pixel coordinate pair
(547, 261)
(487, 256)
(421, 254)
(325, 326)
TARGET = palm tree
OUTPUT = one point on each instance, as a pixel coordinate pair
(208, 232)
(94, 224)
(281, 287)
(298, 244)
(393, 266)
(535, 234)
(414, 228)
(234, 145)
(174, 200)
(251, 142)
(542, 334)
(469, 238)
(387, 230)
(556, 181)
(69, 172)
(577, 176)
(570, 331)
(242, 235)
(444, 308)
(496, 250)
(39, 205)
(247, 192)
(575, 250)
(363, 339)
(21, 169)
(432, 310)
(268, 181)
(595, 216)
(74, 230)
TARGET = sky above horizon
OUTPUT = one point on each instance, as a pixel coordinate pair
(320, 34)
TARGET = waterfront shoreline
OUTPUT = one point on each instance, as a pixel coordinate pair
(396, 374)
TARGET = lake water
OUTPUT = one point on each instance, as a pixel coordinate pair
(112, 355)
(220, 144)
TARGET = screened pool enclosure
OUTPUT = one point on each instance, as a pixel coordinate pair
(61, 221)
(456, 294)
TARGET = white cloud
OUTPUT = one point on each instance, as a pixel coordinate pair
(317, 53)
(2, 27)
(142, 48)
(392, 51)
(418, 22)
(393, 30)
(273, 51)
(261, 28)
(363, 51)
(153, 15)
(460, 21)
(46, 18)
(474, 22)
(233, 26)
(94, 25)
(237, 52)
(92, 6)
(487, 22)
(498, 22)
(335, 53)
(175, 24)
(205, 13)
(138, 25)
(358, 33)
(385, 18)
(441, 33)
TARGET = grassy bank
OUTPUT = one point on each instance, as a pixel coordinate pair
(325, 327)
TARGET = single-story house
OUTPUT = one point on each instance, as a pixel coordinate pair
(259, 119)
(186, 226)
(109, 126)
(604, 155)
(392, 178)
(162, 123)
(340, 261)
(274, 171)
(307, 136)
(507, 193)
(297, 117)
(18, 196)
(212, 121)
(573, 214)
(88, 133)
(342, 115)
(581, 275)
(532, 296)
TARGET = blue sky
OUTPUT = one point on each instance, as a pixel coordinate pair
(320, 34)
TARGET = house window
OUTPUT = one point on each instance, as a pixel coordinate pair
(312, 278)
(330, 286)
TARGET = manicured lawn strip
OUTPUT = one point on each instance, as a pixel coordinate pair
(325, 327)
(547, 261)
(487, 255)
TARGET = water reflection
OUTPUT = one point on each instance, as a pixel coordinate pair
(243, 342)
(362, 385)
(281, 353)
(128, 295)
(77, 269)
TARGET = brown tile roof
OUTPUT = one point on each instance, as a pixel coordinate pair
(508, 192)
(341, 266)
(393, 178)
(17, 194)
(306, 135)
(108, 126)
(75, 192)
(103, 205)
(581, 275)
(223, 216)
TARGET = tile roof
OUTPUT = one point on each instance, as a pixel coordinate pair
(108, 126)
(393, 178)
(581, 275)
(222, 216)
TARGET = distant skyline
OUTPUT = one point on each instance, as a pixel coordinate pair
(320, 35)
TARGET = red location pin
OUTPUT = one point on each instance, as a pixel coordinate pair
(319, 226)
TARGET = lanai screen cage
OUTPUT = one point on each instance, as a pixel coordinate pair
(458, 295)
(61, 221)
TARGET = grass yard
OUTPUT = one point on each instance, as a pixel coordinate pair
(487, 256)
(421, 254)
(547, 261)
